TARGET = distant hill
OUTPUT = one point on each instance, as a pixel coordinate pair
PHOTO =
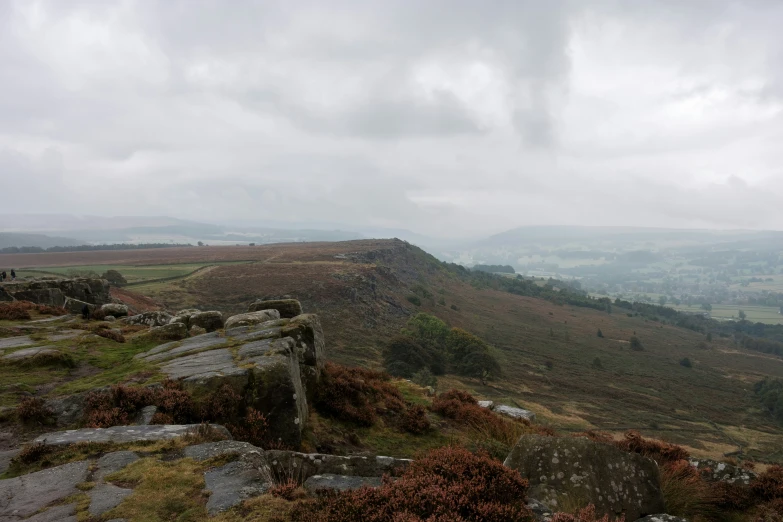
(13, 239)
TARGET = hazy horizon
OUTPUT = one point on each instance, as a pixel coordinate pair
(446, 119)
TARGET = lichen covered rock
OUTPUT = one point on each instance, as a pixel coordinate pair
(251, 318)
(288, 308)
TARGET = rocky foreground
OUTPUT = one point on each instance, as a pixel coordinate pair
(265, 364)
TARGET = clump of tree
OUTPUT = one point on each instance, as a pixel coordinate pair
(770, 394)
(427, 343)
(497, 269)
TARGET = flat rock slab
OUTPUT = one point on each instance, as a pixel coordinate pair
(516, 413)
(104, 497)
(231, 484)
(22, 496)
(66, 513)
(5, 459)
(319, 484)
(29, 353)
(62, 336)
(184, 347)
(203, 365)
(50, 319)
(16, 342)
(120, 434)
(113, 462)
(208, 450)
(662, 518)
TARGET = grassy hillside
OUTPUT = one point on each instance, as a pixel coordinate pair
(548, 352)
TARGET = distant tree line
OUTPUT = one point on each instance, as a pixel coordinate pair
(88, 248)
(500, 269)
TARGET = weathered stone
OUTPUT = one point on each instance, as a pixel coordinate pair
(144, 418)
(168, 332)
(516, 413)
(320, 484)
(540, 511)
(115, 309)
(210, 320)
(267, 330)
(113, 462)
(486, 404)
(23, 496)
(716, 471)
(251, 318)
(53, 292)
(184, 347)
(68, 409)
(196, 330)
(288, 308)
(578, 468)
(5, 459)
(66, 513)
(75, 306)
(16, 342)
(39, 354)
(662, 518)
(208, 450)
(229, 485)
(155, 318)
(308, 334)
(104, 497)
(203, 366)
(109, 318)
(62, 336)
(310, 464)
(121, 434)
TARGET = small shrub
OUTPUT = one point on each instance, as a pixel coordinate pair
(584, 515)
(357, 395)
(661, 452)
(424, 377)
(254, 428)
(415, 420)
(285, 489)
(448, 484)
(636, 344)
(549, 365)
(120, 404)
(597, 364)
(33, 409)
(98, 314)
(442, 301)
(414, 299)
(454, 307)
(685, 362)
(600, 333)
(685, 493)
(33, 452)
(15, 311)
(111, 334)
(51, 310)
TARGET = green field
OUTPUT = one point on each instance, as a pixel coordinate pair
(756, 314)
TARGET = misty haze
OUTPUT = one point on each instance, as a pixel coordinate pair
(391, 261)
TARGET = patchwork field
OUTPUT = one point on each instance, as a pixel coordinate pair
(553, 361)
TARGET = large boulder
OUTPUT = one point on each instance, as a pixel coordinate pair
(210, 320)
(251, 318)
(168, 332)
(263, 363)
(715, 471)
(288, 308)
(571, 469)
(155, 318)
(53, 292)
(115, 309)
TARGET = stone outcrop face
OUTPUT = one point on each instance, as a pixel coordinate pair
(287, 308)
(722, 472)
(272, 365)
(53, 292)
(210, 321)
(577, 468)
(122, 434)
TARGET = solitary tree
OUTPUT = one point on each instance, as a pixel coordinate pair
(600, 333)
(636, 344)
(742, 315)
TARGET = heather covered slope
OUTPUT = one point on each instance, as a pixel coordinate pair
(554, 363)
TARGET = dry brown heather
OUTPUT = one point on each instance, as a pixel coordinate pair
(546, 351)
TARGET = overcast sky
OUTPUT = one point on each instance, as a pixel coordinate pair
(445, 117)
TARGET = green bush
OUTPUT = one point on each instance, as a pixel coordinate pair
(685, 362)
(414, 299)
(636, 344)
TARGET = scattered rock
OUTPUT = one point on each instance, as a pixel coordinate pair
(722, 472)
(252, 318)
(144, 418)
(156, 318)
(23, 496)
(579, 468)
(115, 309)
(516, 413)
(16, 342)
(310, 464)
(320, 484)
(196, 330)
(229, 485)
(104, 497)
(288, 308)
(75, 306)
(121, 434)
